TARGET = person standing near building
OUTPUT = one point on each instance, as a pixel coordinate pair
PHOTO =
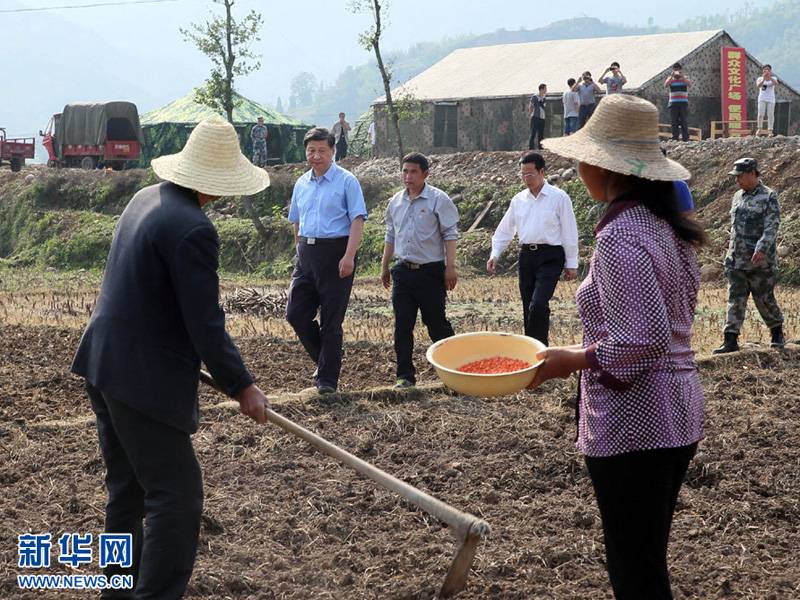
(328, 213)
(542, 217)
(421, 234)
(157, 317)
(536, 114)
(341, 131)
(751, 262)
(613, 79)
(572, 104)
(259, 135)
(678, 85)
(766, 99)
(586, 89)
(373, 140)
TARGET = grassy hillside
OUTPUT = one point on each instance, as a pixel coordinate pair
(64, 219)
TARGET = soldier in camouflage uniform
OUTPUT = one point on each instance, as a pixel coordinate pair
(750, 264)
(259, 135)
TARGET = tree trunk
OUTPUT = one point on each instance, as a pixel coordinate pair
(247, 201)
(228, 61)
(387, 79)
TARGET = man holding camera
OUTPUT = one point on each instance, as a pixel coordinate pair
(586, 89)
(613, 79)
(677, 84)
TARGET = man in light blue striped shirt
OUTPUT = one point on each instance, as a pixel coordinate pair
(328, 214)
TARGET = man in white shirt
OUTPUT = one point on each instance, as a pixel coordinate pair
(766, 99)
(542, 217)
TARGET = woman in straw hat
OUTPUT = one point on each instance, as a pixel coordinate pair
(640, 407)
(157, 316)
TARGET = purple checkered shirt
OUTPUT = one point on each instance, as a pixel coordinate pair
(642, 389)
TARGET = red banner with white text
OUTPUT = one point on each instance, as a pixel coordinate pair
(734, 90)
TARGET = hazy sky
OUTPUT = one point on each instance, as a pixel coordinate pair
(136, 52)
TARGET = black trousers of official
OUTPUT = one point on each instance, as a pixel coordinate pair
(537, 133)
(678, 113)
(341, 148)
(415, 290)
(539, 271)
(152, 473)
(636, 493)
(317, 287)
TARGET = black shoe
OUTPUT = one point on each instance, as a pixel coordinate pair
(731, 344)
(324, 390)
(777, 337)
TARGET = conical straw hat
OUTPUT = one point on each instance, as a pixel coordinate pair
(211, 163)
(621, 136)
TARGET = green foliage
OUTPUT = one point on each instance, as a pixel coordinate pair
(587, 211)
(65, 239)
(771, 33)
(227, 43)
(242, 250)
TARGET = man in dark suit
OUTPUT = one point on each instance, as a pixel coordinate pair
(157, 316)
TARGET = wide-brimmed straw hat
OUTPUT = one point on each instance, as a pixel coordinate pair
(212, 163)
(621, 136)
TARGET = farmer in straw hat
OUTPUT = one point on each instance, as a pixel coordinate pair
(157, 316)
(641, 403)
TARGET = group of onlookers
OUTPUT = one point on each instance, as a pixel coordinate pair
(579, 101)
(581, 97)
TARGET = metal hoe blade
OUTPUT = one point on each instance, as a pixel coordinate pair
(468, 529)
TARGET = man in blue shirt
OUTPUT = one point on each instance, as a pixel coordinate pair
(328, 213)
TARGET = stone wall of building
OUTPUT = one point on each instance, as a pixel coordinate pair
(491, 124)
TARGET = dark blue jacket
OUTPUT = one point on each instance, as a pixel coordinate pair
(158, 314)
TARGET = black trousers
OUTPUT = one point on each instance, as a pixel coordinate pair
(317, 287)
(678, 113)
(539, 271)
(415, 290)
(636, 494)
(537, 134)
(341, 148)
(585, 111)
(151, 473)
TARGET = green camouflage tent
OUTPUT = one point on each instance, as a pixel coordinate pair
(166, 129)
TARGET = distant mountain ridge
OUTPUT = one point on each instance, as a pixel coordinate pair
(771, 34)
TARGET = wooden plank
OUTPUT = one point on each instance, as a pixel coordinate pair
(482, 214)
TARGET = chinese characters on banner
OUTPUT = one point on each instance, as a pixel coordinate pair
(734, 91)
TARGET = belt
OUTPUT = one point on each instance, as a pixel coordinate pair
(414, 266)
(315, 241)
(535, 247)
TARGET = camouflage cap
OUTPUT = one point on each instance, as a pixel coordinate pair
(744, 165)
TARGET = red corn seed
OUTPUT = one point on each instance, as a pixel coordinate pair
(494, 365)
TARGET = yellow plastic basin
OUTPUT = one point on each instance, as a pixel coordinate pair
(449, 354)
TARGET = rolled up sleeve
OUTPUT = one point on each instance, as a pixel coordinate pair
(447, 213)
(294, 211)
(389, 237)
(356, 207)
(634, 310)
